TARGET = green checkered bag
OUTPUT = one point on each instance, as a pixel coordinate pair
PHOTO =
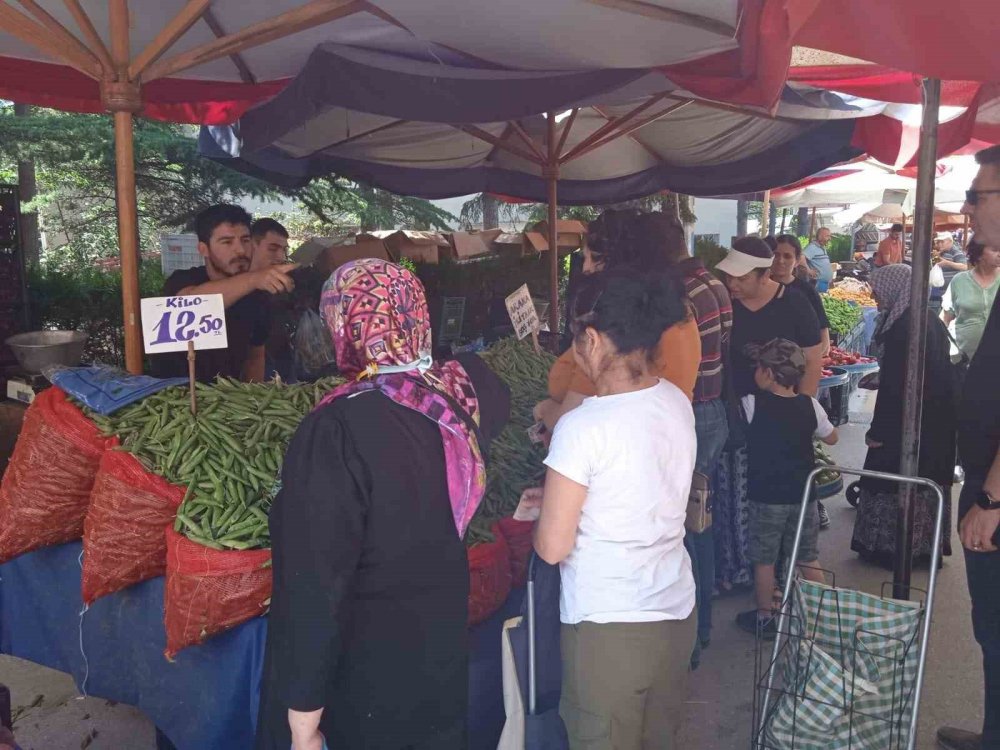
(846, 671)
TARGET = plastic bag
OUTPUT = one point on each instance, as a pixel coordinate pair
(123, 534)
(520, 538)
(46, 488)
(313, 345)
(208, 591)
(107, 389)
(489, 578)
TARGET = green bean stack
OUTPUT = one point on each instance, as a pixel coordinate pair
(228, 457)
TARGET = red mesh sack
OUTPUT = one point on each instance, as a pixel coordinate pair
(123, 541)
(46, 488)
(489, 577)
(520, 538)
(208, 591)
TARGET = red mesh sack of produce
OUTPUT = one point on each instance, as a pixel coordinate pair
(46, 488)
(489, 577)
(123, 541)
(520, 538)
(208, 591)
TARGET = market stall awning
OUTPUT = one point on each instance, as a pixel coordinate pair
(204, 61)
(421, 128)
(866, 183)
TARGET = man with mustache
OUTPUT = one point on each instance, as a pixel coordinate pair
(224, 241)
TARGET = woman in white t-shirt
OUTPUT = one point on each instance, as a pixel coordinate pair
(612, 516)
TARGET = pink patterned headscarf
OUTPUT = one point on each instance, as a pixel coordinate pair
(377, 315)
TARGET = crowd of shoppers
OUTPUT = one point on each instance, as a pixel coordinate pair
(672, 372)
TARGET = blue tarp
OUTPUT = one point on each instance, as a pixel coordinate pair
(208, 698)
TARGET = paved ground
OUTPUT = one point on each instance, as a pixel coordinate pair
(51, 715)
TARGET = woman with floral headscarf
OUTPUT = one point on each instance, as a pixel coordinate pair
(367, 640)
(875, 525)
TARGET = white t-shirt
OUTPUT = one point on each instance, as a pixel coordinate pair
(635, 454)
(824, 427)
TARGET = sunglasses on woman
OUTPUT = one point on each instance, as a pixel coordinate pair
(972, 196)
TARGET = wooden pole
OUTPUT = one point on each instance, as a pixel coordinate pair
(913, 385)
(765, 214)
(784, 215)
(551, 174)
(122, 98)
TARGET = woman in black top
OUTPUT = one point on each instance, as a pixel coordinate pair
(787, 253)
(367, 637)
(763, 310)
(875, 525)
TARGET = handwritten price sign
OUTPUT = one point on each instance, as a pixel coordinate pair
(170, 323)
(523, 314)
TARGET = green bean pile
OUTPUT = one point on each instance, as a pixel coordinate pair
(843, 316)
(228, 457)
(515, 463)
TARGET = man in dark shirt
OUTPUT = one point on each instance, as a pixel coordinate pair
(979, 446)
(951, 260)
(224, 241)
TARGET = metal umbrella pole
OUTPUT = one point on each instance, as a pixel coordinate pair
(913, 387)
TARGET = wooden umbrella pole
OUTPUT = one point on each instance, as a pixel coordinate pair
(122, 97)
(551, 174)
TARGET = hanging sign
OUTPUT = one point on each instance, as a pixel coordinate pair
(523, 314)
(170, 324)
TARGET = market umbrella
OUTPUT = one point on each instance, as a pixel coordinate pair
(206, 62)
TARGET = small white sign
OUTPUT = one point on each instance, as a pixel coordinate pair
(178, 252)
(169, 323)
(523, 315)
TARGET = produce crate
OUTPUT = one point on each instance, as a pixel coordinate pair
(853, 340)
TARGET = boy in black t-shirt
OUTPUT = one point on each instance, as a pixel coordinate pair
(782, 425)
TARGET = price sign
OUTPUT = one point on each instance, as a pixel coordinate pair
(523, 315)
(169, 324)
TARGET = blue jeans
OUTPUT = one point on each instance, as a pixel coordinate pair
(712, 428)
(983, 572)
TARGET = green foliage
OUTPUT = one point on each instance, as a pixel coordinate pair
(711, 253)
(484, 284)
(840, 248)
(87, 299)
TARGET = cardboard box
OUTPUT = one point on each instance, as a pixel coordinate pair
(420, 247)
(570, 233)
(509, 244)
(535, 242)
(465, 245)
(328, 253)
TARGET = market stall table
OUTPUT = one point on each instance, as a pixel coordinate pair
(207, 699)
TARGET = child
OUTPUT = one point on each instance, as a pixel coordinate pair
(782, 424)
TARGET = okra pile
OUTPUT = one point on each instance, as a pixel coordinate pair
(228, 457)
(515, 463)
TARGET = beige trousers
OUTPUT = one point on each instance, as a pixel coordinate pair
(624, 684)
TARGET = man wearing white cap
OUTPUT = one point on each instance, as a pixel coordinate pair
(951, 260)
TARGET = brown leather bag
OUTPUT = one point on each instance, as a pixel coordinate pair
(699, 508)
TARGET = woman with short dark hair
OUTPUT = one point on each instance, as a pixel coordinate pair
(612, 516)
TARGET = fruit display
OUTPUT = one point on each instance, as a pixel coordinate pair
(852, 290)
(838, 358)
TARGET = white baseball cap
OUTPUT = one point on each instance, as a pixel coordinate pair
(738, 264)
(943, 236)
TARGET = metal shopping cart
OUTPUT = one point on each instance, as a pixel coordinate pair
(846, 667)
